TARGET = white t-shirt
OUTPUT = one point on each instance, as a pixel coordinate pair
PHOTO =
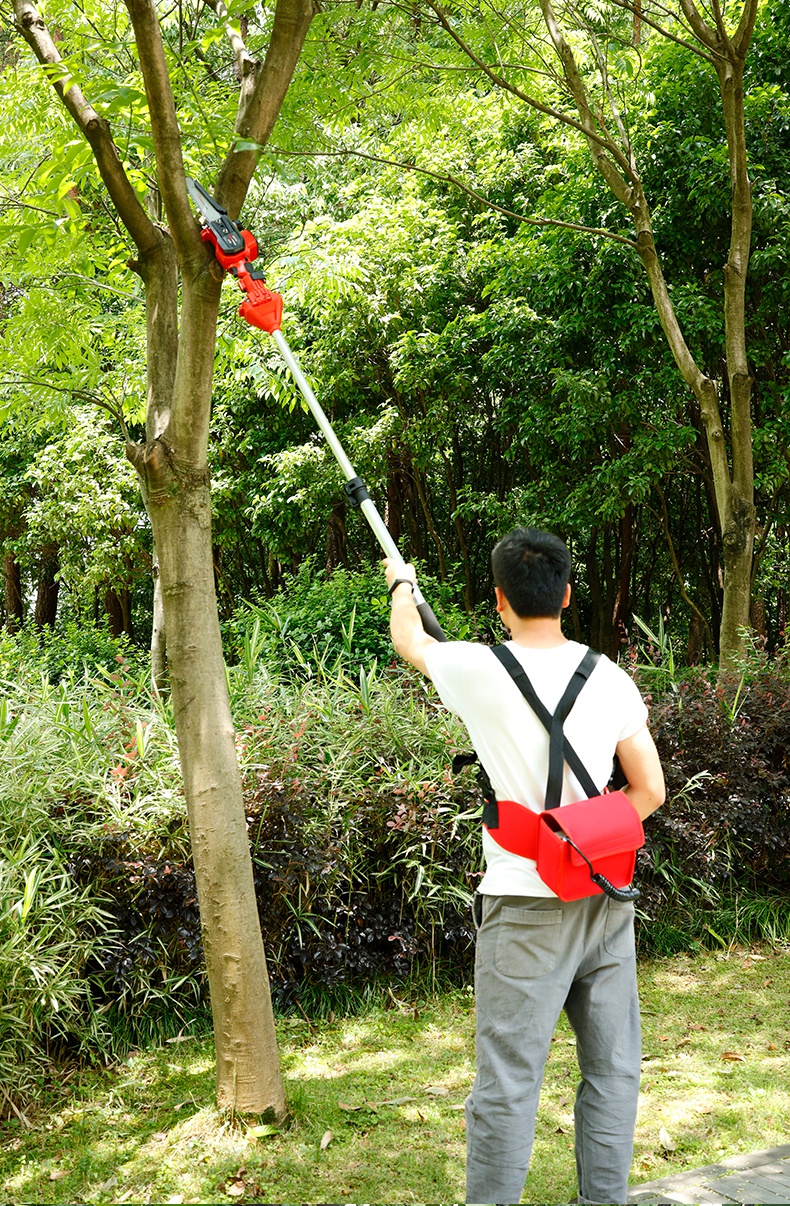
(512, 743)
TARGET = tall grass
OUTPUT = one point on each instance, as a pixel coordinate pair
(366, 851)
(82, 760)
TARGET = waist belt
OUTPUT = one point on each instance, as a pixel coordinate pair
(516, 828)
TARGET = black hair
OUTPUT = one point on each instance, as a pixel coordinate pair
(532, 568)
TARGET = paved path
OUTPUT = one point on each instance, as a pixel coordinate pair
(759, 1177)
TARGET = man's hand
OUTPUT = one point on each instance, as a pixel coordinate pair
(393, 570)
(408, 635)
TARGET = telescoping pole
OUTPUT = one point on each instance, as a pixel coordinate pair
(236, 250)
(355, 487)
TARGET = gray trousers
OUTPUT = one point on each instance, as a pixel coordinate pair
(536, 956)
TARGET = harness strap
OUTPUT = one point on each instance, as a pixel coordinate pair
(560, 749)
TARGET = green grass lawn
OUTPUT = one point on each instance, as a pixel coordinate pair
(377, 1102)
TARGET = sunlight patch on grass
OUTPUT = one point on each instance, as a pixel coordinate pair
(388, 1087)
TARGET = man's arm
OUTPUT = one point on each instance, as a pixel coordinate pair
(408, 635)
(640, 765)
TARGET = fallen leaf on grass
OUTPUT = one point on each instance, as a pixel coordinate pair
(235, 1190)
(734, 1056)
(437, 1091)
(264, 1131)
(398, 1100)
(326, 1139)
(57, 1174)
(175, 1199)
(666, 1141)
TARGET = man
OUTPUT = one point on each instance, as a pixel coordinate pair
(535, 954)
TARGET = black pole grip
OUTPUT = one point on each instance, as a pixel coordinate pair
(429, 622)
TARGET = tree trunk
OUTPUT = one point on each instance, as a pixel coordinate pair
(14, 602)
(117, 608)
(174, 477)
(248, 1071)
(733, 475)
(622, 600)
(46, 609)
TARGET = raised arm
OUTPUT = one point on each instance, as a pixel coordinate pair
(408, 635)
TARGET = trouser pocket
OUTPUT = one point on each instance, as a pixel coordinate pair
(528, 942)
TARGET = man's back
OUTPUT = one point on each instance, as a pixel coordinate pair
(512, 743)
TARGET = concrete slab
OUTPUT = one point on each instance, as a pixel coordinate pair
(751, 1177)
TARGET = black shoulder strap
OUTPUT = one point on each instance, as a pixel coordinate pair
(560, 749)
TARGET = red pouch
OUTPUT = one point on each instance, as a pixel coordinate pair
(606, 829)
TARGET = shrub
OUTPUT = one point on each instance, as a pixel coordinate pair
(323, 617)
(723, 837)
(54, 653)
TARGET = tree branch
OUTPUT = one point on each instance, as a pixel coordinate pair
(95, 129)
(532, 101)
(743, 34)
(164, 127)
(447, 178)
(700, 28)
(620, 187)
(262, 94)
(722, 31)
(113, 407)
(245, 62)
(620, 123)
(632, 8)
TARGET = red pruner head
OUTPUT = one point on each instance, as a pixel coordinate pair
(265, 312)
(244, 252)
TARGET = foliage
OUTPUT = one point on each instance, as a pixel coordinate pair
(68, 743)
(48, 933)
(721, 843)
(52, 654)
(321, 621)
(365, 851)
(480, 370)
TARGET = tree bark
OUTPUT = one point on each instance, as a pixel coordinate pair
(248, 1073)
(14, 600)
(47, 589)
(118, 611)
